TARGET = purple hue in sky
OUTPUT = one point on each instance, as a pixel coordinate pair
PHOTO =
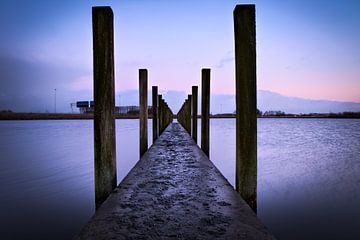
(305, 48)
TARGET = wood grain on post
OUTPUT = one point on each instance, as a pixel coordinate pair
(155, 119)
(246, 126)
(104, 103)
(205, 110)
(194, 112)
(143, 79)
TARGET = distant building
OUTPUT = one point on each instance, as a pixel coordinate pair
(84, 106)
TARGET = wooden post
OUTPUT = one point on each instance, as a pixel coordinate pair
(160, 111)
(246, 126)
(104, 103)
(188, 113)
(143, 78)
(205, 110)
(182, 117)
(194, 112)
(155, 118)
(164, 116)
(167, 115)
(185, 115)
(179, 115)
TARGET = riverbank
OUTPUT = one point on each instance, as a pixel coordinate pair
(78, 116)
(55, 116)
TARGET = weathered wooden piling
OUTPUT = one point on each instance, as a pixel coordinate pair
(143, 78)
(246, 126)
(161, 113)
(180, 116)
(205, 110)
(104, 99)
(188, 114)
(185, 114)
(194, 112)
(165, 115)
(168, 116)
(155, 119)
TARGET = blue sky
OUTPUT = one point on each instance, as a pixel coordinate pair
(305, 49)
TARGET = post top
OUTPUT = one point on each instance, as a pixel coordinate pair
(102, 9)
(241, 7)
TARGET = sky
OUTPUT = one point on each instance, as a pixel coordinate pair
(307, 49)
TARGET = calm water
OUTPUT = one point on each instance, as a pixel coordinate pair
(308, 183)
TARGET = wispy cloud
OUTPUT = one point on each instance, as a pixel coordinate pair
(229, 57)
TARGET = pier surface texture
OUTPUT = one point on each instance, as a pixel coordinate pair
(174, 192)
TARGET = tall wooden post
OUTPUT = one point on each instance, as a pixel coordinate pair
(160, 111)
(165, 117)
(143, 79)
(104, 103)
(205, 110)
(246, 126)
(155, 118)
(188, 113)
(194, 112)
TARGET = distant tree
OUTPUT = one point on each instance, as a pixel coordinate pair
(274, 113)
(6, 111)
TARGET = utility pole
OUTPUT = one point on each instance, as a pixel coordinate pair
(55, 101)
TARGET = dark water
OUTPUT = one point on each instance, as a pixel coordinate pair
(308, 175)
(308, 183)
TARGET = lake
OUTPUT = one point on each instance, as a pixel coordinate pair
(308, 175)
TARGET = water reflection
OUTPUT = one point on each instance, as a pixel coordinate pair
(308, 175)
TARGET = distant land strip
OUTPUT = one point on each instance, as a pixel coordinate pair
(78, 116)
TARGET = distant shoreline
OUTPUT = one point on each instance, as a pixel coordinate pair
(77, 116)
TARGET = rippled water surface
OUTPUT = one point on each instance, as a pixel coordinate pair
(308, 175)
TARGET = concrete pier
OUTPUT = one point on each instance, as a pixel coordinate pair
(174, 192)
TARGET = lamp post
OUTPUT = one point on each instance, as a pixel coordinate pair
(55, 100)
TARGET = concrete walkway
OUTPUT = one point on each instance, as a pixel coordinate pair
(174, 192)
